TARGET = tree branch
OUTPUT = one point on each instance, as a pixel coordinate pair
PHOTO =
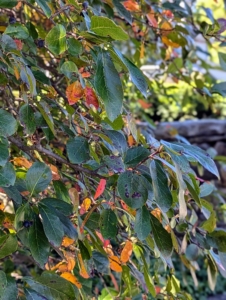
(51, 154)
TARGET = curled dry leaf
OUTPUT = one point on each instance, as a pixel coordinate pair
(115, 263)
(74, 92)
(22, 162)
(126, 252)
(55, 172)
(70, 277)
(91, 97)
(74, 196)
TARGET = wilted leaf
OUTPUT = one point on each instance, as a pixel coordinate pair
(22, 162)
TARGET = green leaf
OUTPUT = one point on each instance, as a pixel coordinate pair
(39, 245)
(32, 295)
(10, 292)
(7, 175)
(78, 150)
(192, 252)
(68, 68)
(3, 284)
(202, 157)
(8, 4)
(142, 224)
(61, 191)
(51, 223)
(114, 163)
(123, 12)
(132, 189)
(51, 286)
(108, 224)
(45, 112)
(27, 77)
(45, 7)
(64, 207)
(68, 227)
(162, 237)
(27, 118)
(4, 151)
(162, 193)
(222, 60)
(176, 65)
(17, 31)
(105, 27)
(56, 40)
(219, 88)
(38, 178)
(8, 245)
(108, 85)
(41, 77)
(13, 194)
(74, 47)
(118, 142)
(3, 80)
(8, 125)
(93, 221)
(206, 189)
(101, 262)
(136, 155)
(135, 73)
(8, 43)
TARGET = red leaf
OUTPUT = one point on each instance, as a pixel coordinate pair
(91, 98)
(19, 44)
(100, 189)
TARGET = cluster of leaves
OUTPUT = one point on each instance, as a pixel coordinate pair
(90, 199)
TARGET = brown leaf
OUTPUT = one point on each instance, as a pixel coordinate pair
(74, 92)
(74, 195)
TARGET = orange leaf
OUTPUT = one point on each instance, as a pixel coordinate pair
(85, 206)
(168, 13)
(151, 19)
(131, 5)
(91, 98)
(115, 263)
(70, 277)
(67, 242)
(126, 252)
(16, 72)
(82, 271)
(100, 189)
(131, 140)
(19, 44)
(22, 162)
(70, 261)
(144, 104)
(74, 92)
(2, 206)
(85, 74)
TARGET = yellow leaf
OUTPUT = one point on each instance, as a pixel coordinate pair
(126, 252)
(67, 242)
(169, 43)
(85, 205)
(70, 277)
(82, 271)
(16, 73)
(166, 28)
(115, 263)
(74, 92)
(2, 206)
(22, 162)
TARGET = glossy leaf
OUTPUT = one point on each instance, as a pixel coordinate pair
(136, 155)
(45, 6)
(8, 245)
(108, 85)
